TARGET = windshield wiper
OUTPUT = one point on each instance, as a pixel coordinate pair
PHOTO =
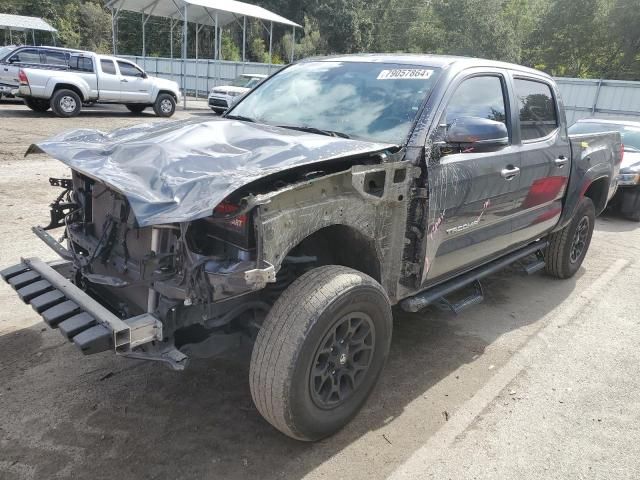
(319, 131)
(240, 117)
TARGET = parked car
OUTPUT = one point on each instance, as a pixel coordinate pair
(221, 98)
(14, 58)
(6, 90)
(627, 198)
(96, 78)
(335, 189)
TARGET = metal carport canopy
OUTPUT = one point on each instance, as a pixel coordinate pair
(215, 13)
(21, 23)
(228, 10)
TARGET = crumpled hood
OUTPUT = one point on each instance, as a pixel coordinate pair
(179, 171)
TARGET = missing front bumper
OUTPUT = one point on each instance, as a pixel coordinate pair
(80, 318)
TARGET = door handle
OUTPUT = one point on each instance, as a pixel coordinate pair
(510, 172)
(124, 80)
(561, 161)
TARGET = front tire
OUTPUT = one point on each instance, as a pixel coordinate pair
(165, 105)
(66, 103)
(568, 247)
(37, 104)
(320, 352)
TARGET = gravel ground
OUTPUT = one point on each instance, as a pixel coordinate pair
(443, 408)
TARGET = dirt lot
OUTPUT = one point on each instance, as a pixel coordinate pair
(540, 381)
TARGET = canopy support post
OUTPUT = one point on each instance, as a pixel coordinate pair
(114, 29)
(184, 55)
(244, 40)
(144, 45)
(198, 28)
(10, 37)
(215, 39)
(171, 47)
(293, 45)
(197, 31)
(217, 52)
(33, 37)
(270, 45)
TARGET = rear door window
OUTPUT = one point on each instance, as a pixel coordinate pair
(108, 67)
(81, 64)
(53, 57)
(27, 55)
(537, 109)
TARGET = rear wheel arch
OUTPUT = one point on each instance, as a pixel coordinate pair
(68, 86)
(598, 192)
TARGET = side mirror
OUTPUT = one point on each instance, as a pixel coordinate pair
(477, 131)
(12, 60)
(144, 75)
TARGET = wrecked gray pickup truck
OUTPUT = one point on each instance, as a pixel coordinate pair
(336, 189)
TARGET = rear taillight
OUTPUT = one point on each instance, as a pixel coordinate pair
(23, 77)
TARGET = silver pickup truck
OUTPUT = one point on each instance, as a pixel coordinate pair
(90, 77)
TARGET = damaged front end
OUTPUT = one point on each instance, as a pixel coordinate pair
(138, 290)
(162, 240)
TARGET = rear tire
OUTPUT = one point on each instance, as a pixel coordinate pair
(136, 108)
(66, 103)
(304, 380)
(37, 104)
(568, 247)
(165, 105)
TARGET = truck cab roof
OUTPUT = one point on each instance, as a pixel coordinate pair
(427, 60)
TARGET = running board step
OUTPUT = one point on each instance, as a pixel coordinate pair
(469, 301)
(535, 265)
(434, 294)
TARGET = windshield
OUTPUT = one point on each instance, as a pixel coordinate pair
(246, 82)
(373, 101)
(630, 135)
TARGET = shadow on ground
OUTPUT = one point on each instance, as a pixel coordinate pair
(613, 221)
(105, 417)
(93, 111)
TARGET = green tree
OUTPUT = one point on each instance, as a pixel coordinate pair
(94, 27)
(312, 43)
(570, 38)
(230, 49)
(623, 26)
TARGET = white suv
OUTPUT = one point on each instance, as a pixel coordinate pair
(223, 97)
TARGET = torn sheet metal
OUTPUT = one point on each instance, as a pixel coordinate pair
(179, 171)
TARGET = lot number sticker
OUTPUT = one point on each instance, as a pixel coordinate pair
(405, 74)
